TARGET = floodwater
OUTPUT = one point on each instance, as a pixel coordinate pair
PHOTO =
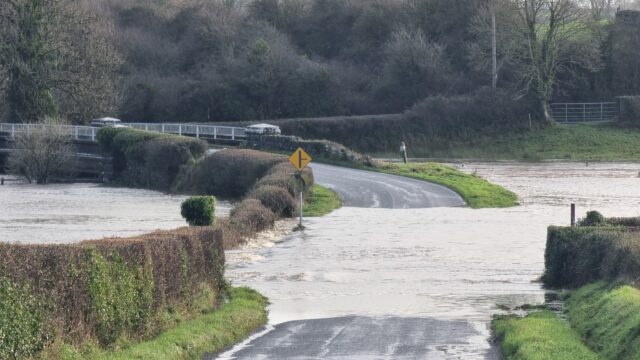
(441, 263)
(67, 213)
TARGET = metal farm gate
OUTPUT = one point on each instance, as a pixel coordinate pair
(576, 113)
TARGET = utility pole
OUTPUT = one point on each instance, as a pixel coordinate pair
(494, 47)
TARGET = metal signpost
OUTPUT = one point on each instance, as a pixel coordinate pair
(300, 159)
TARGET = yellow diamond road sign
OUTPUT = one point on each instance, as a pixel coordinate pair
(300, 159)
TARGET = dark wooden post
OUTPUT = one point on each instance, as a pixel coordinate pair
(573, 214)
(2, 181)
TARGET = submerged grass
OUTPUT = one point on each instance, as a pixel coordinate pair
(476, 192)
(608, 319)
(212, 332)
(321, 201)
(539, 336)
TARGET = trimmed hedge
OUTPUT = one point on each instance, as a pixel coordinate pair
(106, 289)
(149, 159)
(575, 256)
(250, 216)
(228, 173)
(199, 210)
(276, 199)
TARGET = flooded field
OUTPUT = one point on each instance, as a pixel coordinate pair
(444, 263)
(75, 212)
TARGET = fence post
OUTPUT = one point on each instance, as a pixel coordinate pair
(215, 132)
(163, 128)
(573, 214)
(76, 132)
(197, 131)
(601, 112)
(584, 112)
(93, 134)
(146, 127)
(13, 130)
(566, 112)
(180, 129)
(233, 134)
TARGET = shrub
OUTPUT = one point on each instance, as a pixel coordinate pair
(199, 210)
(251, 216)
(149, 159)
(108, 288)
(22, 330)
(575, 256)
(227, 173)
(593, 218)
(276, 199)
(282, 175)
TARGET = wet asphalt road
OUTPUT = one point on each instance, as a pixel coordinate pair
(368, 189)
(357, 337)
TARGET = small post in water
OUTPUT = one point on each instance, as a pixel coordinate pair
(300, 224)
(573, 214)
(2, 181)
(403, 152)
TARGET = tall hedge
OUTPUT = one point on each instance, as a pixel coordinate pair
(575, 256)
(108, 288)
(149, 159)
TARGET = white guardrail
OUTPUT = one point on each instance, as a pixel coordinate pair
(89, 132)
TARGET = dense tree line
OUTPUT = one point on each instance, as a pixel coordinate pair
(226, 60)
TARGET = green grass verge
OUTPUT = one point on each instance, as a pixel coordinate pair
(539, 336)
(321, 201)
(476, 192)
(608, 319)
(212, 332)
(569, 142)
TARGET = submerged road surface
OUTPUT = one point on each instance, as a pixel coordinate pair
(368, 189)
(370, 336)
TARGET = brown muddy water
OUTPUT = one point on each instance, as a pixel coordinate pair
(442, 263)
(66, 213)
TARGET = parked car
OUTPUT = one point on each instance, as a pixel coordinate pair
(263, 129)
(107, 121)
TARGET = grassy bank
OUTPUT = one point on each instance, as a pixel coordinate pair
(608, 319)
(476, 192)
(212, 332)
(569, 142)
(539, 336)
(321, 201)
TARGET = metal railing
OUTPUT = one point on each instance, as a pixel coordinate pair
(88, 133)
(208, 131)
(575, 113)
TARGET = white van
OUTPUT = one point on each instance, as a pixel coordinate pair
(263, 129)
(106, 121)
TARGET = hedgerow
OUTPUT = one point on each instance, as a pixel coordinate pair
(106, 289)
(149, 159)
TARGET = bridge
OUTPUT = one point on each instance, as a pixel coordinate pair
(211, 133)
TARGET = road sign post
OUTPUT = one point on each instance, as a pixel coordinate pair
(300, 159)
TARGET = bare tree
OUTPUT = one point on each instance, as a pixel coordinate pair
(42, 154)
(557, 39)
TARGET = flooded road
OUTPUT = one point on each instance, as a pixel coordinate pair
(447, 268)
(65, 213)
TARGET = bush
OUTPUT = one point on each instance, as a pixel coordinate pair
(149, 159)
(22, 331)
(108, 288)
(575, 256)
(227, 173)
(250, 216)
(199, 210)
(282, 176)
(593, 218)
(276, 199)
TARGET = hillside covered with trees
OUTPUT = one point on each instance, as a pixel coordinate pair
(230, 60)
